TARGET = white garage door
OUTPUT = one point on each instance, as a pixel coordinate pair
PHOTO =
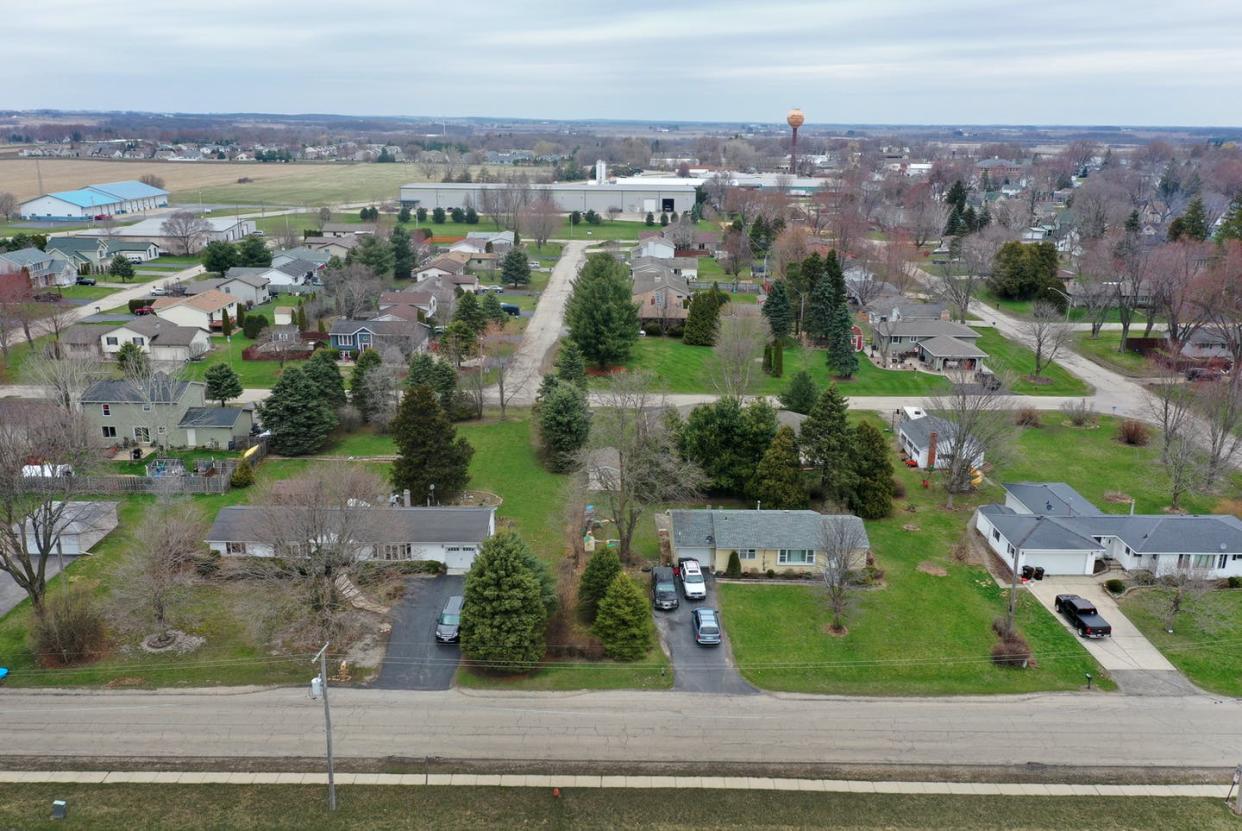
(1060, 562)
(649, 206)
(458, 558)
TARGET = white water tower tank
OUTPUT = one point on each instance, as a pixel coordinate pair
(601, 171)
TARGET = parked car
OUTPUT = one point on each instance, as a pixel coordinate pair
(1204, 373)
(663, 588)
(102, 217)
(706, 625)
(144, 310)
(492, 289)
(159, 291)
(448, 624)
(511, 309)
(1083, 616)
(48, 297)
(693, 586)
(86, 281)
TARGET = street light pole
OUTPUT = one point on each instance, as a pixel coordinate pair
(322, 658)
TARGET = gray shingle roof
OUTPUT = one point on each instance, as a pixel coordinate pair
(161, 331)
(919, 430)
(250, 275)
(210, 417)
(247, 523)
(1052, 498)
(122, 392)
(946, 347)
(1038, 532)
(758, 529)
(921, 328)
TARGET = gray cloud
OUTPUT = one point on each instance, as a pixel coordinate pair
(959, 61)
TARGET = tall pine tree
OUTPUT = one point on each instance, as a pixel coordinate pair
(623, 621)
(826, 440)
(778, 477)
(703, 321)
(402, 254)
(504, 617)
(570, 365)
(322, 370)
(564, 425)
(800, 395)
(871, 492)
(297, 415)
(367, 360)
(842, 359)
(777, 311)
(430, 453)
(600, 571)
(602, 318)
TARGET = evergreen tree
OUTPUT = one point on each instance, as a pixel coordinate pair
(121, 268)
(1231, 226)
(663, 220)
(842, 358)
(826, 439)
(219, 256)
(602, 318)
(402, 254)
(623, 621)
(458, 215)
(367, 360)
(600, 571)
(571, 366)
(818, 322)
(427, 369)
(955, 225)
(1192, 224)
(504, 619)
(240, 322)
(776, 310)
(760, 236)
(1133, 223)
(297, 415)
(322, 370)
(650, 219)
(469, 312)
(727, 441)
(226, 323)
(420, 215)
(871, 492)
(403, 215)
(437, 216)
(374, 253)
(515, 268)
(131, 359)
(956, 197)
(703, 320)
(1026, 272)
(301, 316)
(778, 477)
(222, 383)
(800, 395)
(564, 425)
(429, 450)
(490, 307)
(472, 216)
(252, 252)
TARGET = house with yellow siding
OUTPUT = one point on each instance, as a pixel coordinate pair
(779, 541)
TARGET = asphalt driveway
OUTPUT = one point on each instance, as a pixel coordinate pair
(703, 669)
(415, 661)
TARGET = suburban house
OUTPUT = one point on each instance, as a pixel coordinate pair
(46, 269)
(205, 311)
(317, 256)
(481, 242)
(896, 307)
(953, 346)
(136, 251)
(423, 301)
(353, 336)
(247, 284)
(161, 339)
(293, 276)
(217, 229)
(449, 535)
(929, 440)
(1050, 525)
(89, 255)
(81, 340)
(687, 267)
(165, 412)
(482, 261)
(445, 265)
(780, 541)
(346, 229)
(656, 247)
(661, 296)
(80, 527)
(1208, 343)
(126, 197)
(332, 246)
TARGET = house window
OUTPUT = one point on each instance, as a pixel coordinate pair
(146, 407)
(142, 435)
(345, 340)
(747, 554)
(109, 432)
(111, 341)
(105, 410)
(138, 341)
(235, 547)
(1222, 560)
(796, 557)
(395, 551)
(1236, 557)
(996, 535)
(1203, 561)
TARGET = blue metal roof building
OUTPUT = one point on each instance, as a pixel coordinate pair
(125, 197)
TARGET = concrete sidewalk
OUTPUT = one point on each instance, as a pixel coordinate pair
(732, 783)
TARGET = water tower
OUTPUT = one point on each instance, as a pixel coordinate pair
(795, 120)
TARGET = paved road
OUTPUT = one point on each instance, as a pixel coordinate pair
(545, 326)
(11, 594)
(700, 669)
(1095, 729)
(414, 660)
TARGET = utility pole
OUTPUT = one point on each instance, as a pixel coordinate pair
(322, 690)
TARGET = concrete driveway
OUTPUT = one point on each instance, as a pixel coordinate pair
(414, 660)
(1132, 660)
(702, 669)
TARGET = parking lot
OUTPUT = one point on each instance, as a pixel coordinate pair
(414, 660)
(707, 669)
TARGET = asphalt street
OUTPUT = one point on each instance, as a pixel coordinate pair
(415, 660)
(701, 669)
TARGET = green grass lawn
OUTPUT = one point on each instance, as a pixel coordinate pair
(381, 808)
(618, 229)
(926, 634)
(86, 292)
(139, 468)
(1025, 308)
(651, 673)
(688, 369)
(1104, 350)
(253, 374)
(13, 367)
(1205, 644)
(1009, 356)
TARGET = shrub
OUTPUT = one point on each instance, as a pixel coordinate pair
(623, 623)
(1143, 578)
(70, 630)
(1133, 433)
(348, 418)
(255, 323)
(1027, 417)
(243, 475)
(208, 565)
(1115, 585)
(1234, 582)
(771, 574)
(1011, 651)
(597, 577)
(1081, 413)
(1000, 626)
(734, 569)
(137, 303)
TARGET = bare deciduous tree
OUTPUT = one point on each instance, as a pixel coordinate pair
(843, 544)
(497, 350)
(631, 457)
(65, 378)
(540, 219)
(354, 289)
(187, 231)
(1171, 406)
(1187, 589)
(1048, 332)
(9, 205)
(1221, 405)
(738, 343)
(156, 576)
(978, 428)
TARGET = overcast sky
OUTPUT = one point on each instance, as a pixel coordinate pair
(869, 61)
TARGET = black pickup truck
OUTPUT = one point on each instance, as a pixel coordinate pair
(1083, 616)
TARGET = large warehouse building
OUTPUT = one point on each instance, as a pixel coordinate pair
(108, 199)
(634, 195)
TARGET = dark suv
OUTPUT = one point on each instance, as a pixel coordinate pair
(448, 624)
(663, 588)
